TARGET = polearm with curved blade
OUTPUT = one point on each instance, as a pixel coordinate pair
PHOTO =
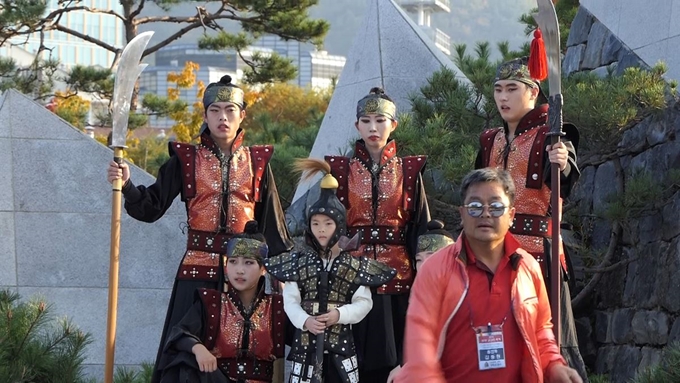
(128, 70)
(546, 18)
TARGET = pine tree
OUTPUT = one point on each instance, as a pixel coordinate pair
(35, 347)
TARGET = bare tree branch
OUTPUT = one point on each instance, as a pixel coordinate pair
(614, 240)
(87, 38)
(606, 269)
(137, 11)
(59, 12)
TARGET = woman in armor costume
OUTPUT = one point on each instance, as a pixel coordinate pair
(326, 289)
(235, 335)
(387, 206)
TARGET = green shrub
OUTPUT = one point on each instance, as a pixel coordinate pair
(667, 371)
(36, 347)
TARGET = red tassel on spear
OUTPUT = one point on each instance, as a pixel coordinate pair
(538, 60)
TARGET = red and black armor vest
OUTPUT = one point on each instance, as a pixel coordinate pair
(220, 193)
(523, 158)
(380, 204)
(245, 344)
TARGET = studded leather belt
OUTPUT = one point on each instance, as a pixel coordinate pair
(534, 225)
(248, 369)
(392, 235)
(207, 241)
(312, 307)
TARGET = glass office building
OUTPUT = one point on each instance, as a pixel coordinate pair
(71, 50)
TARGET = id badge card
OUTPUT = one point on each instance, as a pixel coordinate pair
(490, 347)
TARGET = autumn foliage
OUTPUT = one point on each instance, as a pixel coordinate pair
(187, 120)
(284, 103)
(71, 107)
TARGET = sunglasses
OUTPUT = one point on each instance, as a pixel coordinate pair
(476, 209)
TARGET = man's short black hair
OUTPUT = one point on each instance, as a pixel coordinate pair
(489, 175)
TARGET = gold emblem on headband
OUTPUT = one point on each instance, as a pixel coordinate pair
(372, 106)
(229, 94)
(246, 248)
(376, 105)
(433, 242)
(515, 70)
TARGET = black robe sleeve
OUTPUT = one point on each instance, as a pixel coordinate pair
(148, 204)
(570, 175)
(479, 161)
(270, 216)
(418, 224)
(187, 333)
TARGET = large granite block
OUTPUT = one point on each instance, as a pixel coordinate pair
(6, 167)
(8, 259)
(596, 39)
(573, 58)
(672, 57)
(674, 27)
(363, 59)
(653, 52)
(64, 176)
(580, 27)
(73, 250)
(31, 120)
(606, 11)
(141, 314)
(642, 24)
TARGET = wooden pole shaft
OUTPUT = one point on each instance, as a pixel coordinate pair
(113, 272)
(555, 258)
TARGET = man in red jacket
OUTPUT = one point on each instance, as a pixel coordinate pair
(479, 311)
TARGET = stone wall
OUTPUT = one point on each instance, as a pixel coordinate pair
(633, 313)
(593, 47)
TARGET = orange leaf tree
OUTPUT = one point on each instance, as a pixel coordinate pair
(71, 107)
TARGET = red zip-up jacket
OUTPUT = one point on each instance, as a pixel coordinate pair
(440, 287)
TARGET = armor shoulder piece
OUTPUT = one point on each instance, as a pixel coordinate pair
(186, 153)
(373, 273)
(340, 170)
(284, 267)
(486, 144)
(212, 306)
(412, 166)
(260, 156)
(536, 156)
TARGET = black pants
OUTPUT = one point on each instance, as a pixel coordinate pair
(568, 337)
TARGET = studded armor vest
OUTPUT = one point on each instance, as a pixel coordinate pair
(380, 202)
(523, 158)
(346, 274)
(245, 344)
(220, 194)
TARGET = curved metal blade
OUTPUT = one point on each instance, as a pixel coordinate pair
(547, 22)
(128, 70)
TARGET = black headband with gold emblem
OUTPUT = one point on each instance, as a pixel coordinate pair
(223, 91)
(247, 248)
(435, 238)
(251, 244)
(376, 103)
(516, 70)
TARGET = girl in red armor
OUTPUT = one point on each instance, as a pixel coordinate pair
(235, 335)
